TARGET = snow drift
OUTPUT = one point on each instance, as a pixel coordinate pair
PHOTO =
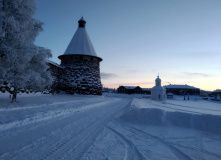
(160, 116)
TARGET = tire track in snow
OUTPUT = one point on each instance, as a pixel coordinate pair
(71, 145)
(86, 140)
(46, 141)
(132, 153)
(51, 115)
(64, 145)
(181, 155)
(30, 130)
(203, 151)
(39, 106)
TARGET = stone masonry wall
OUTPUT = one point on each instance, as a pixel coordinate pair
(82, 77)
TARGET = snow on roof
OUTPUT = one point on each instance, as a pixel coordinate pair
(146, 89)
(174, 86)
(130, 87)
(80, 43)
(53, 63)
(217, 91)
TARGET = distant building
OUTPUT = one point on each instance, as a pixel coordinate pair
(108, 90)
(146, 91)
(217, 94)
(130, 89)
(182, 89)
(79, 71)
(158, 92)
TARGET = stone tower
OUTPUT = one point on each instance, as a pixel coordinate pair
(81, 65)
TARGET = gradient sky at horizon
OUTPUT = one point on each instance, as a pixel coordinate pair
(180, 40)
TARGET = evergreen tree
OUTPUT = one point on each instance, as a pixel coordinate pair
(22, 63)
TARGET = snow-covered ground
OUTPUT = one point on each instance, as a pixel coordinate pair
(117, 127)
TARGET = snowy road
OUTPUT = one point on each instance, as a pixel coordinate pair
(124, 141)
(59, 133)
(104, 128)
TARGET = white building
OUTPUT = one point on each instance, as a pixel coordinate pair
(158, 92)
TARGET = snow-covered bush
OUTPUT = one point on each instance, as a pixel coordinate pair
(22, 63)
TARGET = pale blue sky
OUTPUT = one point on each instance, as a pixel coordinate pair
(180, 39)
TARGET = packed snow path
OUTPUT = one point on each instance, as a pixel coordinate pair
(104, 128)
(64, 131)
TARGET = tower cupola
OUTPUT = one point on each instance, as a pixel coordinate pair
(158, 81)
(82, 23)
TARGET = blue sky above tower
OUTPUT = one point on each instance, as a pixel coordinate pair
(137, 39)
